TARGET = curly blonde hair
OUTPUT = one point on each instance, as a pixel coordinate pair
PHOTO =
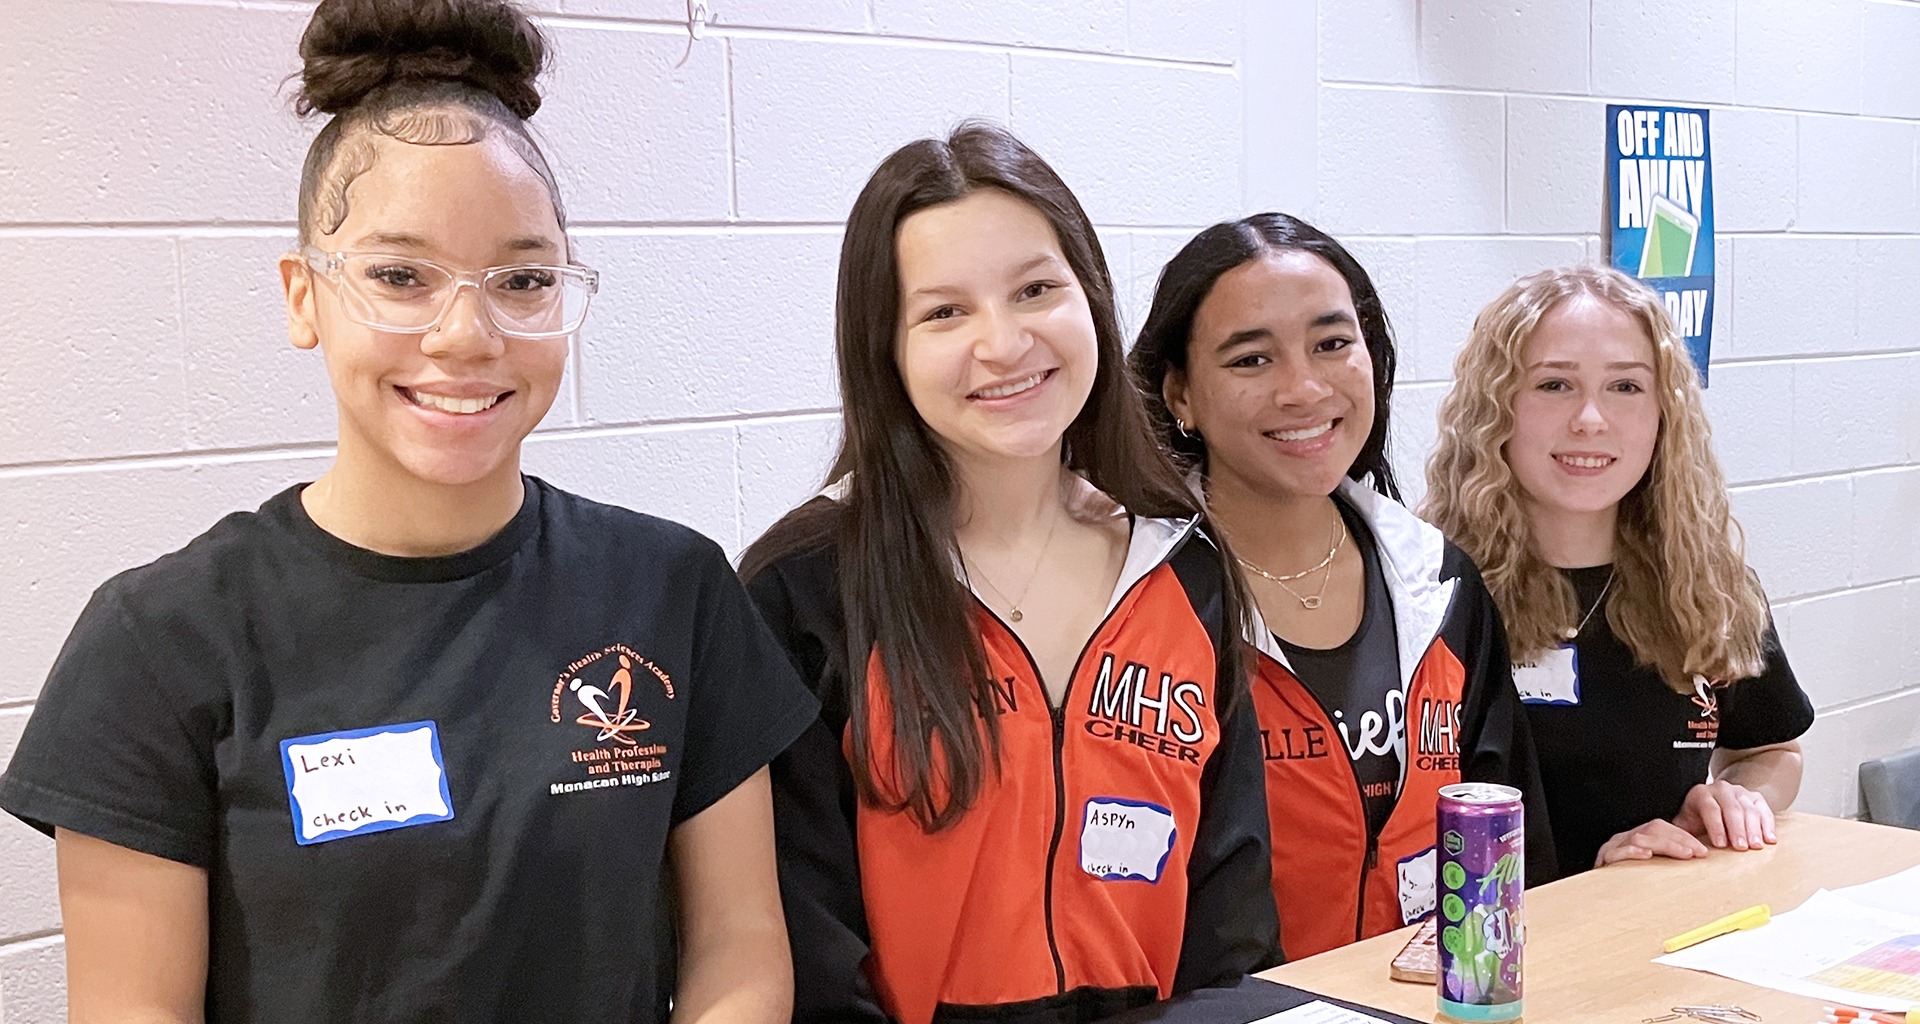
(1683, 599)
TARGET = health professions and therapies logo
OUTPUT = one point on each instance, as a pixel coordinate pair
(1703, 728)
(598, 695)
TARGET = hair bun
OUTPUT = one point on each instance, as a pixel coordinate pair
(353, 47)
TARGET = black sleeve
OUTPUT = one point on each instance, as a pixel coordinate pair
(1769, 708)
(116, 749)
(745, 704)
(814, 806)
(1232, 928)
(1496, 743)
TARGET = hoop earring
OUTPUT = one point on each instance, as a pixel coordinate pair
(1181, 426)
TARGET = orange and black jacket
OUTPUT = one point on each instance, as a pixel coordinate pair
(1118, 856)
(1334, 880)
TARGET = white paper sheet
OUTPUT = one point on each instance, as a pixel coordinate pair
(1898, 892)
(1830, 948)
(1319, 1012)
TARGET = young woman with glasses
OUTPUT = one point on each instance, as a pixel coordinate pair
(1033, 793)
(419, 740)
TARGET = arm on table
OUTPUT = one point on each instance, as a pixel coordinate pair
(136, 934)
(734, 966)
(1735, 809)
(1773, 771)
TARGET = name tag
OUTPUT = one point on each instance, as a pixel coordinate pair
(1122, 840)
(1554, 679)
(1416, 885)
(351, 783)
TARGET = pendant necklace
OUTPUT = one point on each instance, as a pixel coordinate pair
(1013, 606)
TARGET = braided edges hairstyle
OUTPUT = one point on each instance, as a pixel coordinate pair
(1190, 276)
(894, 525)
(426, 72)
(1683, 600)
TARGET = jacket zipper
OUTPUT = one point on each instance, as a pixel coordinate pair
(1372, 858)
(1058, 715)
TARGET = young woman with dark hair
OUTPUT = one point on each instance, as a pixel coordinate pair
(420, 740)
(1380, 671)
(1034, 788)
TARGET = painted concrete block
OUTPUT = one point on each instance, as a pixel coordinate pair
(1750, 406)
(633, 133)
(1094, 26)
(1652, 48)
(1799, 54)
(782, 464)
(93, 378)
(1137, 144)
(1858, 174)
(812, 119)
(1396, 162)
(1370, 41)
(1844, 415)
(703, 325)
(1799, 535)
(1531, 47)
(107, 118)
(1795, 296)
(680, 473)
(246, 385)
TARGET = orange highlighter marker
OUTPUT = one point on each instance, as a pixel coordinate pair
(1849, 1015)
(1739, 921)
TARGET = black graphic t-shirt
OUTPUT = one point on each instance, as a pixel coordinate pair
(1630, 747)
(424, 789)
(1358, 683)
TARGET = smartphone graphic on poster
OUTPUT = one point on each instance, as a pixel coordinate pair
(1672, 234)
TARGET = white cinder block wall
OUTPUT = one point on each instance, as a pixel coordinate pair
(148, 165)
(1460, 142)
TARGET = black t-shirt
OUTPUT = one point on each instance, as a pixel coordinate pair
(1627, 748)
(424, 789)
(1353, 681)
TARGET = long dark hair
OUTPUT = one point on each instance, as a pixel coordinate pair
(1191, 274)
(893, 527)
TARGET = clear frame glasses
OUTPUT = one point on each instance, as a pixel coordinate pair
(407, 295)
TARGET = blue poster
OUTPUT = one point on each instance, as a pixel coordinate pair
(1660, 212)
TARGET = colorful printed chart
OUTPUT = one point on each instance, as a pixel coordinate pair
(1858, 946)
(1891, 968)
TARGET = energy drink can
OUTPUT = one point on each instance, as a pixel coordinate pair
(1482, 933)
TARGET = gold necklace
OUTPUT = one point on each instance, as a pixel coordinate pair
(1013, 607)
(1308, 601)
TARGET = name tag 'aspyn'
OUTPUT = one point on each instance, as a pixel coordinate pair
(1554, 679)
(351, 783)
(1125, 840)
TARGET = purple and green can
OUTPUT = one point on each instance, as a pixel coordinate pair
(1482, 933)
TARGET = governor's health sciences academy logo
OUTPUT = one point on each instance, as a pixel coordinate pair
(604, 701)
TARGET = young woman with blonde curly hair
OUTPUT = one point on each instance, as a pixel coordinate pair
(1575, 466)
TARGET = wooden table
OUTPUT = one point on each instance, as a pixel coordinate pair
(1591, 938)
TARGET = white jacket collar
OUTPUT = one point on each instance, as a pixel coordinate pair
(1411, 552)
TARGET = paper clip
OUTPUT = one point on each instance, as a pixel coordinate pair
(1718, 1013)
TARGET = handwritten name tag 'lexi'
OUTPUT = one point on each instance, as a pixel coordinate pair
(342, 784)
(1122, 840)
(1554, 679)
